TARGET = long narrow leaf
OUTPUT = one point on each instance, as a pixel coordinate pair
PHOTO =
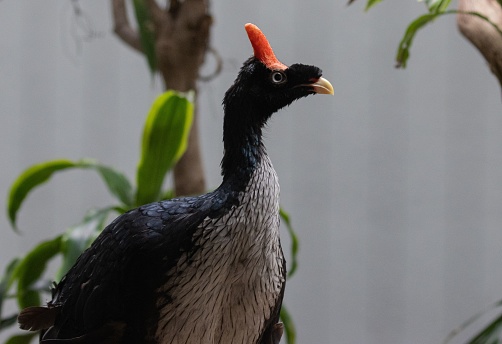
(289, 326)
(40, 173)
(116, 182)
(30, 268)
(28, 180)
(489, 334)
(6, 281)
(371, 3)
(8, 321)
(146, 32)
(403, 51)
(21, 338)
(165, 139)
(495, 327)
(437, 6)
(294, 242)
(79, 238)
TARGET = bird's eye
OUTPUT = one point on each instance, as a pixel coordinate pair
(278, 77)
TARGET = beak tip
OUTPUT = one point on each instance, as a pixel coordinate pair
(323, 86)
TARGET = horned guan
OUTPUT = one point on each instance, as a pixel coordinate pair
(205, 269)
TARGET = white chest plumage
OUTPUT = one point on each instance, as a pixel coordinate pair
(226, 290)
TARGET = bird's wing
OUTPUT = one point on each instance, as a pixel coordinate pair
(273, 328)
(113, 282)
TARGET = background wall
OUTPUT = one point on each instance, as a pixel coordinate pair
(394, 184)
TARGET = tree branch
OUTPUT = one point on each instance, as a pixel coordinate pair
(173, 6)
(181, 49)
(122, 27)
(181, 43)
(158, 14)
(481, 33)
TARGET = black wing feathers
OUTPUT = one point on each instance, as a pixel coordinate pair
(109, 292)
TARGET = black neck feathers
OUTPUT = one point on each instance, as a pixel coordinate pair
(245, 116)
(243, 149)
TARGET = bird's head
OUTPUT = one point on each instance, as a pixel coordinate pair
(265, 85)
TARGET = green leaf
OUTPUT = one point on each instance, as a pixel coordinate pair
(6, 281)
(40, 173)
(488, 334)
(117, 182)
(294, 242)
(146, 32)
(21, 338)
(8, 322)
(437, 6)
(30, 268)
(165, 138)
(371, 3)
(78, 238)
(29, 179)
(289, 326)
(403, 52)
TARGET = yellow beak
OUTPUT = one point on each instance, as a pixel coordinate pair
(323, 86)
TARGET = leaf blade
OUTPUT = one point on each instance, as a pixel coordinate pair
(30, 268)
(40, 173)
(437, 6)
(21, 338)
(29, 179)
(294, 241)
(78, 238)
(491, 330)
(146, 32)
(8, 321)
(289, 326)
(165, 138)
(371, 3)
(116, 182)
(403, 52)
(6, 281)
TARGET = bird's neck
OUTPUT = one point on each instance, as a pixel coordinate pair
(243, 150)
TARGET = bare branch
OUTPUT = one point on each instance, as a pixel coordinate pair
(174, 6)
(217, 69)
(158, 14)
(122, 27)
(481, 33)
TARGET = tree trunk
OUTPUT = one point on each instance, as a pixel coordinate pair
(181, 31)
(481, 33)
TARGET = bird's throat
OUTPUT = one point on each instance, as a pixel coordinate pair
(243, 152)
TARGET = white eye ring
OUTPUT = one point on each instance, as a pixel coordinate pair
(278, 77)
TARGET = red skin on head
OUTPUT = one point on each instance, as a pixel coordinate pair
(262, 49)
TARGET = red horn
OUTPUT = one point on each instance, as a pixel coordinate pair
(262, 49)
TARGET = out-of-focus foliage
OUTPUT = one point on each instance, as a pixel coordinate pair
(164, 141)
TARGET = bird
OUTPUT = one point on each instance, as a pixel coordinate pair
(194, 269)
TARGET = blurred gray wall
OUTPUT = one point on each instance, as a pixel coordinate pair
(394, 184)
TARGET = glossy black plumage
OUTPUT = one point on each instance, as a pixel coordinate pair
(114, 280)
(126, 286)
